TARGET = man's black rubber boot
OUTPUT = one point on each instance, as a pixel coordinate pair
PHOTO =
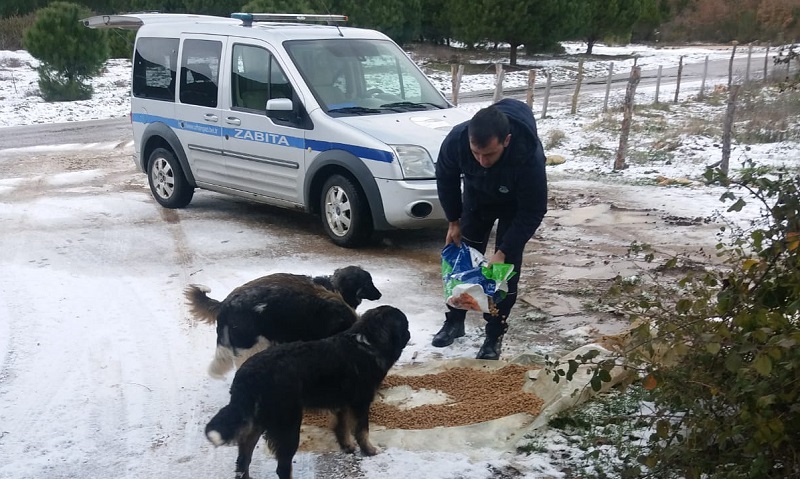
(452, 329)
(496, 327)
(491, 348)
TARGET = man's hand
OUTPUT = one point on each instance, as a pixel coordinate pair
(497, 257)
(453, 233)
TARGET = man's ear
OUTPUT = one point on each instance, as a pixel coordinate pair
(507, 140)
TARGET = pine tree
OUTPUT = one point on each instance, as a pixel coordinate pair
(282, 6)
(610, 18)
(69, 53)
(399, 19)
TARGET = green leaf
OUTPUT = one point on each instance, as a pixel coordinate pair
(591, 354)
(662, 428)
(683, 306)
(765, 401)
(737, 206)
(573, 368)
(713, 348)
(763, 364)
(596, 383)
(733, 362)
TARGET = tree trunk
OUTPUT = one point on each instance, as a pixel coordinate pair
(512, 59)
(590, 45)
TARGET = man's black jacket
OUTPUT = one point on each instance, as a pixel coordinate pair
(515, 187)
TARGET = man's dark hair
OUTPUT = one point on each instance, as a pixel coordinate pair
(488, 123)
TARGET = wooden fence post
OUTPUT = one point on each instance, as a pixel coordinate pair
(766, 62)
(678, 84)
(531, 85)
(730, 64)
(577, 87)
(727, 128)
(703, 83)
(658, 82)
(498, 85)
(608, 86)
(456, 72)
(747, 69)
(546, 94)
(630, 93)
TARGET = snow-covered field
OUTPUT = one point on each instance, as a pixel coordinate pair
(662, 146)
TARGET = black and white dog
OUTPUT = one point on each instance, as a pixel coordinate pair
(341, 373)
(279, 308)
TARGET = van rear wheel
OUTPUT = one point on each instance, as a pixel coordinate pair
(167, 181)
(345, 215)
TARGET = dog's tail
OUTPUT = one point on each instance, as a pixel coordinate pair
(201, 306)
(230, 422)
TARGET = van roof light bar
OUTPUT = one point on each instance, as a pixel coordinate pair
(248, 18)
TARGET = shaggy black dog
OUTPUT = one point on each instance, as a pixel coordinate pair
(280, 308)
(341, 373)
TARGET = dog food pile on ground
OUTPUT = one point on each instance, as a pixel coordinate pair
(476, 396)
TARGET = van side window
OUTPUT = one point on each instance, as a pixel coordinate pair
(200, 63)
(154, 65)
(255, 78)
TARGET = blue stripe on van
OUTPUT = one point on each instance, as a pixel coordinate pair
(267, 137)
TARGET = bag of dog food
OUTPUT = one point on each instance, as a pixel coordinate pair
(469, 283)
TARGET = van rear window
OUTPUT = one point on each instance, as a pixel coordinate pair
(154, 68)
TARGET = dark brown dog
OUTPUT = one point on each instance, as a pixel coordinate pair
(341, 373)
(280, 308)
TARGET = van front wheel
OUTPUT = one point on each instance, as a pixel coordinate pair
(345, 214)
(167, 181)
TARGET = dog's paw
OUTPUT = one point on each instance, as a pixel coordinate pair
(369, 450)
(349, 448)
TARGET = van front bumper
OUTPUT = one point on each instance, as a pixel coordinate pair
(411, 204)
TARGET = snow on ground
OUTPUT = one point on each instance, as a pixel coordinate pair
(585, 142)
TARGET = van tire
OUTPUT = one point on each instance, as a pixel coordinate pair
(167, 181)
(345, 213)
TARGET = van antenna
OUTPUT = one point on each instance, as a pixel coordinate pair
(328, 11)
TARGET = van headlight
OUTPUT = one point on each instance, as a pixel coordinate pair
(415, 161)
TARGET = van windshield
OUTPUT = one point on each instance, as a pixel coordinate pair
(363, 77)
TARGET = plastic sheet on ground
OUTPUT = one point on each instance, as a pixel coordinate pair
(502, 434)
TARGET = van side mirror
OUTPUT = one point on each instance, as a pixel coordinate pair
(279, 104)
(281, 109)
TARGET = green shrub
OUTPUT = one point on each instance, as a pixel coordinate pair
(12, 30)
(718, 347)
(120, 43)
(69, 53)
(555, 139)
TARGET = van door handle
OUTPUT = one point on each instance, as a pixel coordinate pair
(232, 120)
(211, 117)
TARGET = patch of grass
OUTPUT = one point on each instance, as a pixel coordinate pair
(653, 155)
(603, 429)
(717, 96)
(555, 139)
(606, 123)
(768, 118)
(660, 106)
(693, 126)
(595, 150)
(11, 62)
(650, 124)
(650, 109)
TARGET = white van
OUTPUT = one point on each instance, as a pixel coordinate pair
(332, 120)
